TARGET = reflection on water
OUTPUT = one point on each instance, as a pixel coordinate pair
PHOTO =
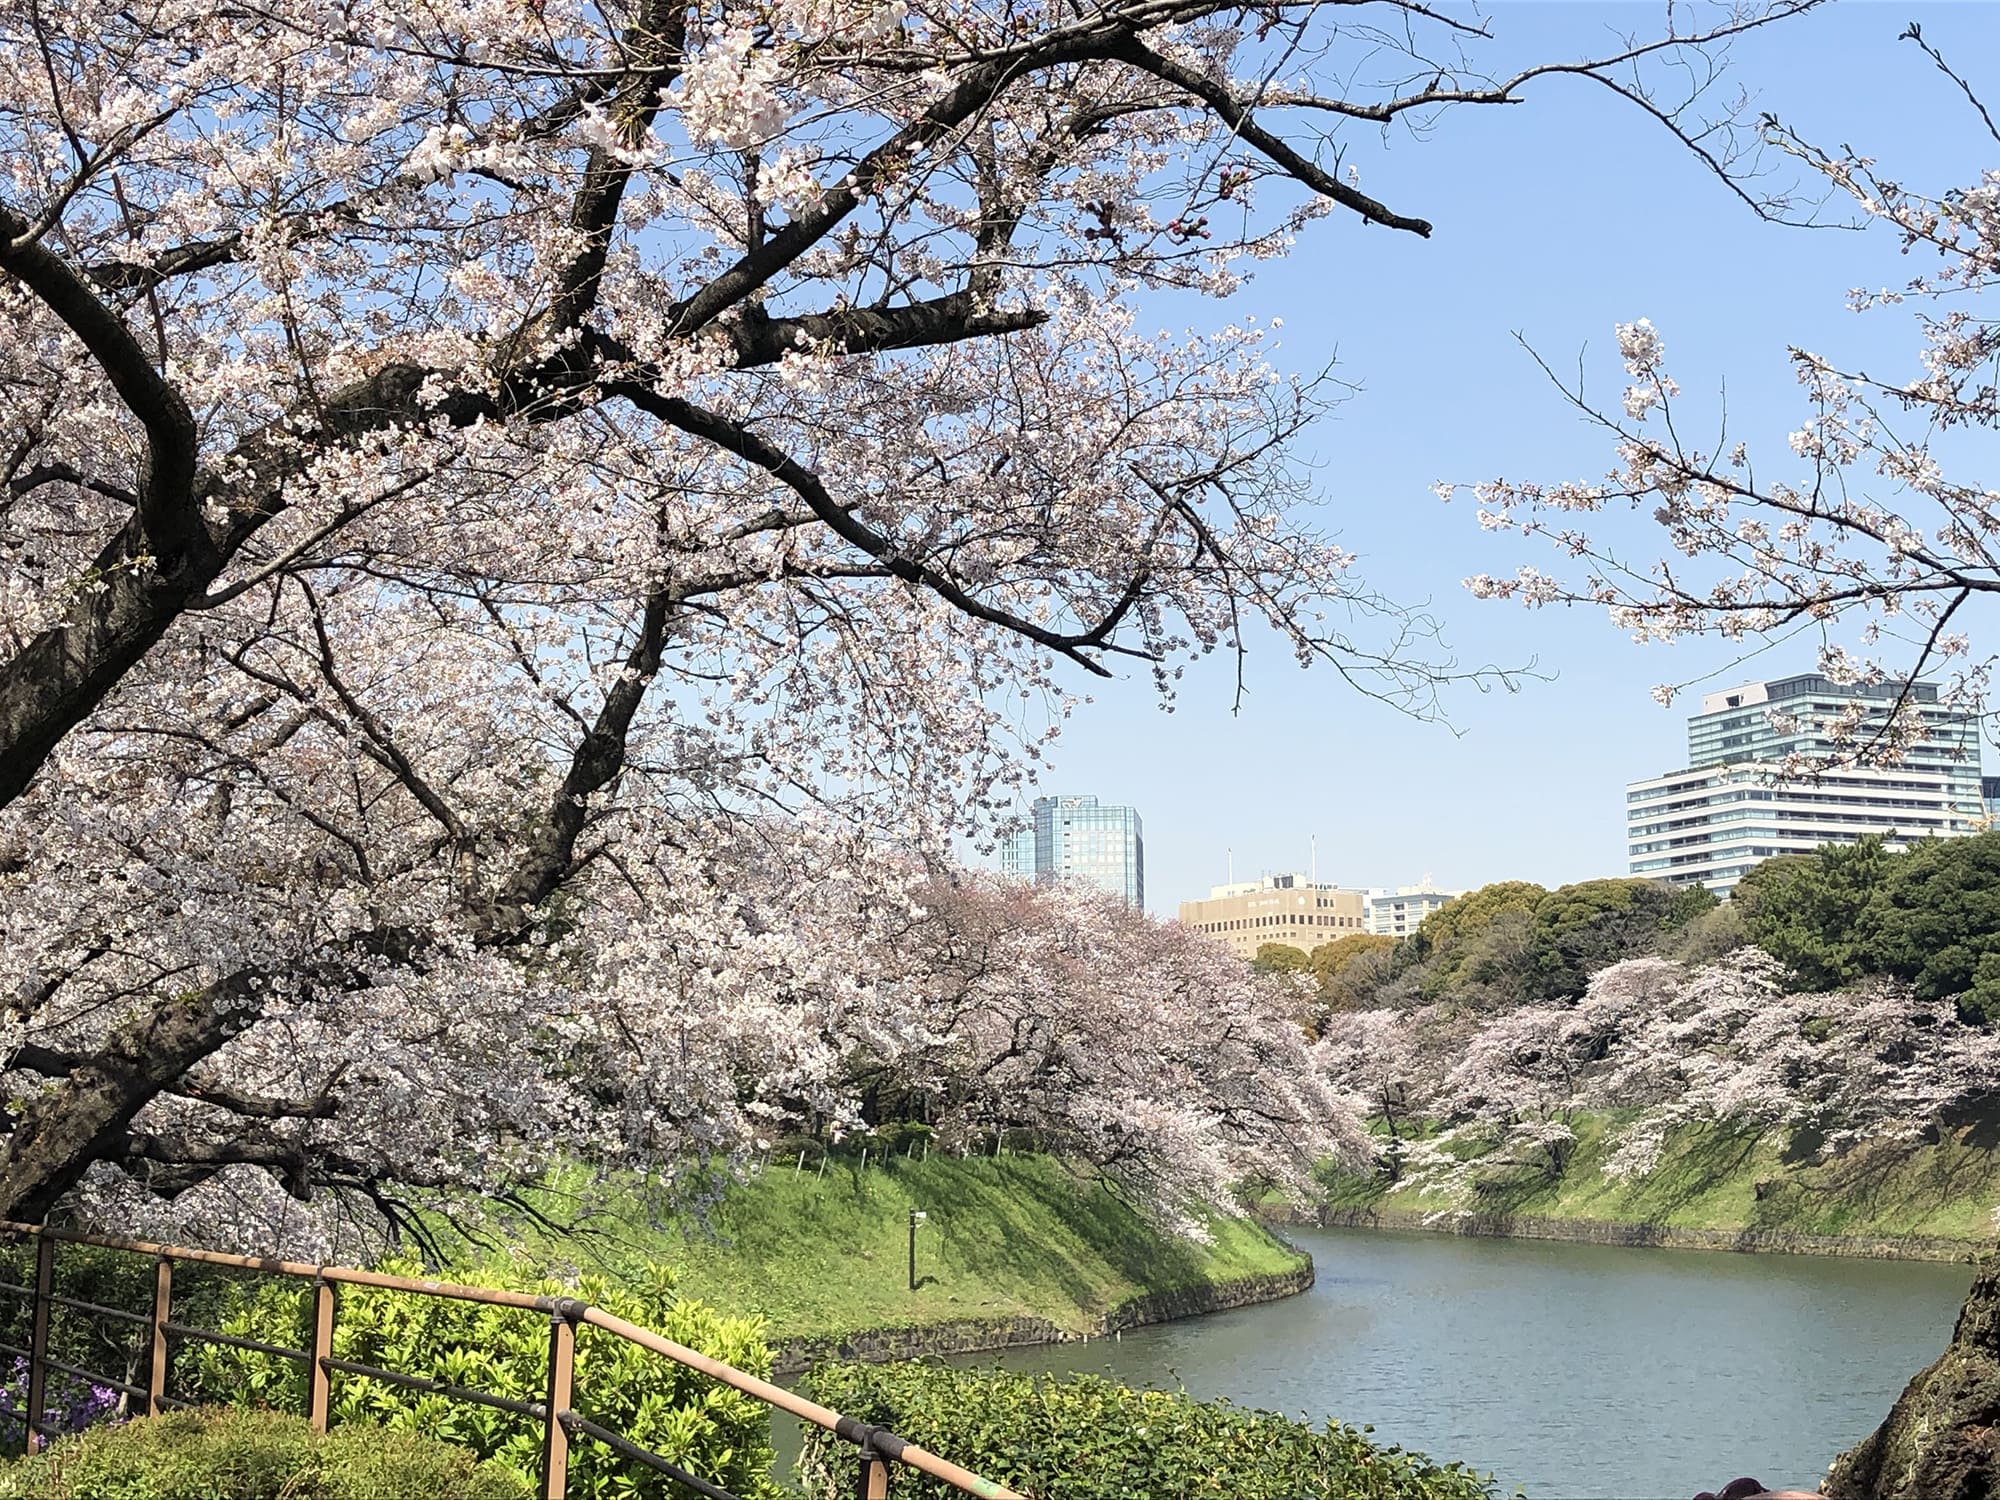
(1569, 1370)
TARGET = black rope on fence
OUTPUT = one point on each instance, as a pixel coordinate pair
(533, 1409)
(255, 1346)
(577, 1422)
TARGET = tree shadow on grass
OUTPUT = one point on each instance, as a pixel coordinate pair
(997, 1212)
(1979, 1124)
(1699, 1165)
(1696, 1164)
(1891, 1186)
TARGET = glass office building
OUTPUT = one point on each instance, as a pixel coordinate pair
(1080, 838)
(1732, 806)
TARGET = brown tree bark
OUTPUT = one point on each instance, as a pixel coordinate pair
(83, 1118)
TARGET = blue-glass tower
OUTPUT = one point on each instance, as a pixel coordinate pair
(1079, 838)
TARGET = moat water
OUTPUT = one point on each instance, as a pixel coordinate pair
(1570, 1371)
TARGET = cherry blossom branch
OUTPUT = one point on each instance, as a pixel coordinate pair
(61, 1132)
(32, 479)
(54, 1062)
(734, 438)
(549, 852)
(654, 43)
(387, 752)
(1914, 33)
(167, 508)
(252, 767)
(1218, 97)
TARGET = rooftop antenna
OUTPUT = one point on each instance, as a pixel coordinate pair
(1230, 855)
(1314, 838)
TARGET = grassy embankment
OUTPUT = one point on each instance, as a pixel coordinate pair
(1733, 1181)
(823, 1256)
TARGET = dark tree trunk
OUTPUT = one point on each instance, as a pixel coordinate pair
(84, 1117)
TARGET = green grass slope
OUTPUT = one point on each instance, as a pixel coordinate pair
(1717, 1179)
(828, 1255)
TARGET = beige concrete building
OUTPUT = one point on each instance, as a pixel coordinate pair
(1289, 909)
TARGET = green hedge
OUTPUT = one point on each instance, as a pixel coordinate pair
(708, 1429)
(1087, 1438)
(227, 1454)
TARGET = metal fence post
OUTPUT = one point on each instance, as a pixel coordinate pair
(874, 1477)
(38, 1340)
(163, 1302)
(319, 1388)
(562, 1377)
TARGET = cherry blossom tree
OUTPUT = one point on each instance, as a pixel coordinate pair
(529, 528)
(1871, 1064)
(1521, 1082)
(1115, 1038)
(1662, 1048)
(1390, 1064)
(1873, 514)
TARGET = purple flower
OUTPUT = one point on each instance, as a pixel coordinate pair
(69, 1403)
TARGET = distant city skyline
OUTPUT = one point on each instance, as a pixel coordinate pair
(1730, 732)
(1524, 784)
(1298, 910)
(1018, 856)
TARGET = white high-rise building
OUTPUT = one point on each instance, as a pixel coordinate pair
(1400, 912)
(1733, 806)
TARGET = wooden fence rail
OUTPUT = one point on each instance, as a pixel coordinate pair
(878, 1449)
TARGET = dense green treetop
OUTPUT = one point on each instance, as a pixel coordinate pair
(1805, 910)
(1929, 915)
(1280, 958)
(1935, 921)
(1583, 927)
(1331, 961)
(1475, 911)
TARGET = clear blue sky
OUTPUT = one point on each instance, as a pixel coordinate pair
(1556, 219)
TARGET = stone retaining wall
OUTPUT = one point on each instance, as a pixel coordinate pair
(1658, 1236)
(976, 1335)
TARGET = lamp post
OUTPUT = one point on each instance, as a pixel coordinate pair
(917, 1216)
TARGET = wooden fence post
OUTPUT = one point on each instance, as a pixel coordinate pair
(562, 1375)
(38, 1340)
(163, 1303)
(874, 1477)
(319, 1379)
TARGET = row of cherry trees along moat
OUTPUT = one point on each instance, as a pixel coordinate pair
(1721, 1044)
(530, 529)
(1837, 1000)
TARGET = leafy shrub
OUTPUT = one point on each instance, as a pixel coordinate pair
(1087, 1438)
(708, 1429)
(243, 1455)
(900, 1137)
